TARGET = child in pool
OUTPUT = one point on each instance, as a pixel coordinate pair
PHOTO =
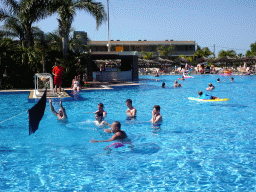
(115, 128)
(99, 119)
(156, 117)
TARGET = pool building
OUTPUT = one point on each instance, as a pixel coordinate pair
(186, 48)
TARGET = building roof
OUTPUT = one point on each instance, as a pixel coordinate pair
(143, 42)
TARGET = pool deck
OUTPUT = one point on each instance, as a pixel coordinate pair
(93, 85)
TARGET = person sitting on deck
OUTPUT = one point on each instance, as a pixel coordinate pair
(115, 128)
(62, 112)
(205, 96)
(75, 84)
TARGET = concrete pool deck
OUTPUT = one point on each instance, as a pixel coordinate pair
(94, 85)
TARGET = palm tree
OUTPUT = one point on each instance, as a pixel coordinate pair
(251, 52)
(67, 12)
(43, 42)
(13, 28)
(205, 52)
(240, 55)
(20, 15)
(165, 50)
(230, 53)
(147, 55)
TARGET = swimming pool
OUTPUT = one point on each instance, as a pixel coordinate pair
(199, 146)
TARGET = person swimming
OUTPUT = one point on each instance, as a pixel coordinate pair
(62, 112)
(211, 87)
(218, 80)
(99, 119)
(118, 133)
(176, 84)
(163, 85)
(101, 109)
(205, 96)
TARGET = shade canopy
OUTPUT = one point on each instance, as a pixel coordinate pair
(224, 59)
(202, 59)
(182, 60)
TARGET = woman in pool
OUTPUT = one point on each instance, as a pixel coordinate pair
(115, 128)
(101, 109)
(211, 87)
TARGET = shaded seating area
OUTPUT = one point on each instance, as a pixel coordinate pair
(115, 66)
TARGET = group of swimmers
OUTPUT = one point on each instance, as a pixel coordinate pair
(210, 88)
(176, 84)
(115, 128)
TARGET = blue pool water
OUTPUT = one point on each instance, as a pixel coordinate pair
(200, 146)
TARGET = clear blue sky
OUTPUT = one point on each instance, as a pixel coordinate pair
(229, 24)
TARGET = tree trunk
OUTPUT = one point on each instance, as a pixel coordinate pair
(65, 46)
(44, 63)
(29, 40)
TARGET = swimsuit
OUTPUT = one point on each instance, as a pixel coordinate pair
(76, 84)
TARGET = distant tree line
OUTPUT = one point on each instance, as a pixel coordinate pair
(168, 51)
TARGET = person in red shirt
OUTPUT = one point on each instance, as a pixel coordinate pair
(57, 72)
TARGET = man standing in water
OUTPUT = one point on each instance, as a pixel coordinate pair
(62, 112)
(131, 111)
(57, 72)
(118, 133)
